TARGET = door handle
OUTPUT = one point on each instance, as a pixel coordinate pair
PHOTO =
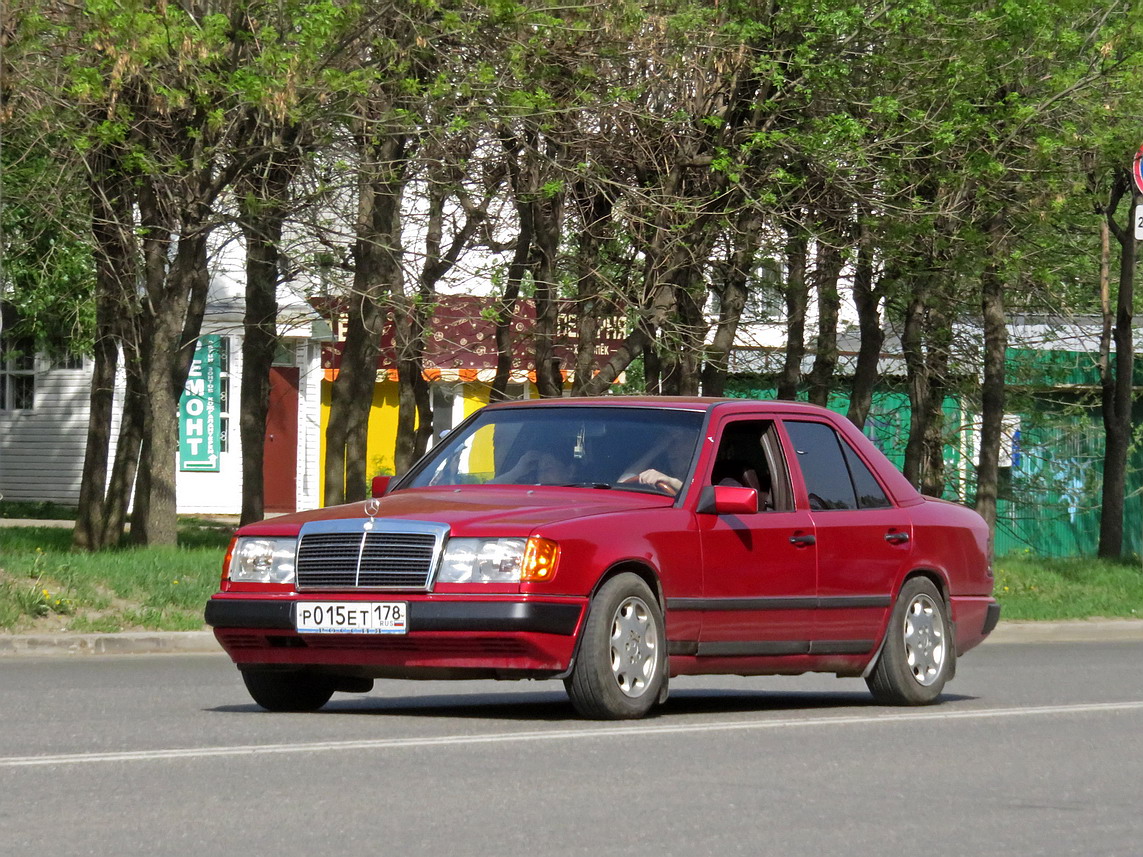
(896, 537)
(801, 541)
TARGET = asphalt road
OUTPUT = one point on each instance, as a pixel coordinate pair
(1035, 750)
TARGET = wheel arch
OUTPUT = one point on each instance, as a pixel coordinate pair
(640, 569)
(938, 580)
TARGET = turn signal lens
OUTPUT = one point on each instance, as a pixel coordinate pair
(226, 560)
(540, 559)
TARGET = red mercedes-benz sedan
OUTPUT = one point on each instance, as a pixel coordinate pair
(615, 543)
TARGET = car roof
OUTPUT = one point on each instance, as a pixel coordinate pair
(688, 403)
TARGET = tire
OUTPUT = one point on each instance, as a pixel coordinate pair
(621, 670)
(919, 653)
(289, 691)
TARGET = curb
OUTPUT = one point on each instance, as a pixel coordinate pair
(131, 643)
(1079, 631)
(203, 642)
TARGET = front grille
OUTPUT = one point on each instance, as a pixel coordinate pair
(384, 557)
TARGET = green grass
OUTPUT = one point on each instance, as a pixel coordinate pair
(36, 509)
(1053, 589)
(44, 584)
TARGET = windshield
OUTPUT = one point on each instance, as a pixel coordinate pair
(602, 447)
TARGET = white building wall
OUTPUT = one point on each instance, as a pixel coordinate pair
(309, 424)
(42, 449)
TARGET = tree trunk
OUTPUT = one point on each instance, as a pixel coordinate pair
(731, 303)
(264, 205)
(127, 450)
(867, 300)
(88, 533)
(377, 270)
(683, 362)
(517, 268)
(992, 386)
(506, 312)
(176, 300)
(547, 215)
(1117, 390)
(595, 208)
(114, 251)
(797, 300)
(262, 229)
(826, 273)
(938, 335)
(916, 372)
(352, 389)
(640, 342)
(414, 413)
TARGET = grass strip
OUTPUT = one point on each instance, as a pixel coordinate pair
(1036, 588)
(44, 584)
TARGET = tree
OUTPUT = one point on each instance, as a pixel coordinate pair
(1118, 386)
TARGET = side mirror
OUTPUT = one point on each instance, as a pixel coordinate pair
(727, 500)
(379, 486)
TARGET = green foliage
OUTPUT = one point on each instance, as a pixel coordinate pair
(48, 272)
(697, 124)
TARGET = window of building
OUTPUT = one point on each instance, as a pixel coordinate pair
(67, 360)
(17, 371)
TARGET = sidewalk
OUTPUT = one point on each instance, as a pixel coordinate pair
(203, 642)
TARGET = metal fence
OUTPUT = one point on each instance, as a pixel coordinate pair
(1051, 475)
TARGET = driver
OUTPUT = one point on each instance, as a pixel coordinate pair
(671, 454)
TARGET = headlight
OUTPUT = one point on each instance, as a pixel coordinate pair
(498, 560)
(256, 560)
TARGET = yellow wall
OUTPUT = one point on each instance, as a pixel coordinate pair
(383, 423)
(382, 430)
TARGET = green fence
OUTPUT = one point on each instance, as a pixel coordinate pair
(1052, 466)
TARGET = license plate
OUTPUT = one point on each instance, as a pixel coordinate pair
(352, 617)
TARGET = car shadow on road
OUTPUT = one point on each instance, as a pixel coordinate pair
(553, 706)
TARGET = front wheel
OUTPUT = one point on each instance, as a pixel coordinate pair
(290, 690)
(621, 671)
(918, 655)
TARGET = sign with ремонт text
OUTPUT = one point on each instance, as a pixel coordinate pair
(200, 408)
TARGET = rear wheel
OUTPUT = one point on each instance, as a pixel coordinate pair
(621, 671)
(918, 655)
(289, 690)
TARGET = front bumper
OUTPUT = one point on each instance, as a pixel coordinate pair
(445, 639)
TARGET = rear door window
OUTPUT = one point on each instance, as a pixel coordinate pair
(835, 475)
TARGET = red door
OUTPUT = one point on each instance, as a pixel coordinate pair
(280, 462)
(759, 570)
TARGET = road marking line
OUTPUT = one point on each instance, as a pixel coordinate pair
(624, 731)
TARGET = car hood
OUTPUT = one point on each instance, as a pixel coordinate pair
(472, 510)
